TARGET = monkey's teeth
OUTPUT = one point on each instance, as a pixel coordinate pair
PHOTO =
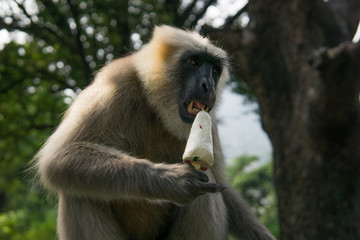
(190, 106)
(194, 109)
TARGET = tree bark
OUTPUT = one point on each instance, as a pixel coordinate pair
(297, 58)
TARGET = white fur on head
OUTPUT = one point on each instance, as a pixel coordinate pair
(155, 62)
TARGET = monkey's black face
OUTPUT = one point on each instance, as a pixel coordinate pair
(199, 76)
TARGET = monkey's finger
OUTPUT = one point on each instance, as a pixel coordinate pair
(211, 187)
(202, 177)
(222, 187)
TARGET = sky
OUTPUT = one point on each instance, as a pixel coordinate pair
(240, 129)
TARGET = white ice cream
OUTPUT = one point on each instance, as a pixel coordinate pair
(199, 147)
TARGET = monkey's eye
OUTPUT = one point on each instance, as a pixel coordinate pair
(215, 71)
(194, 61)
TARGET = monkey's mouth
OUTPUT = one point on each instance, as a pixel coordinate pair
(188, 110)
(193, 107)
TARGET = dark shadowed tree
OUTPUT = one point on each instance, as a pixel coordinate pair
(298, 59)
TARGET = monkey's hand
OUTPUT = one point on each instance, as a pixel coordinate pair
(181, 183)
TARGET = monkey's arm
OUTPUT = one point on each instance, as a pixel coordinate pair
(91, 170)
(243, 224)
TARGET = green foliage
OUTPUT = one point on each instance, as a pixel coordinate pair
(24, 225)
(255, 183)
(29, 111)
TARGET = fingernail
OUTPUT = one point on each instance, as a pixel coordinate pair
(222, 187)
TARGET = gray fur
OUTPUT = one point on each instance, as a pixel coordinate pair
(118, 171)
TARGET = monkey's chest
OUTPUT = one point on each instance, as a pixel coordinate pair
(163, 149)
(144, 220)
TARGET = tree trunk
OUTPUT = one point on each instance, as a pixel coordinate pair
(297, 58)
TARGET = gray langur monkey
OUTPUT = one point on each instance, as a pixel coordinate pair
(115, 160)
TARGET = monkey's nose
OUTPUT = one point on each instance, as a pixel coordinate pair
(207, 85)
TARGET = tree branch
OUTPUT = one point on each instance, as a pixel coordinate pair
(180, 19)
(201, 13)
(80, 47)
(38, 28)
(332, 25)
(52, 12)
(347, 13)
(229, 21)
(338, 99)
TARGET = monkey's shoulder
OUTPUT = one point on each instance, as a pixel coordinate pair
(120, 76)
